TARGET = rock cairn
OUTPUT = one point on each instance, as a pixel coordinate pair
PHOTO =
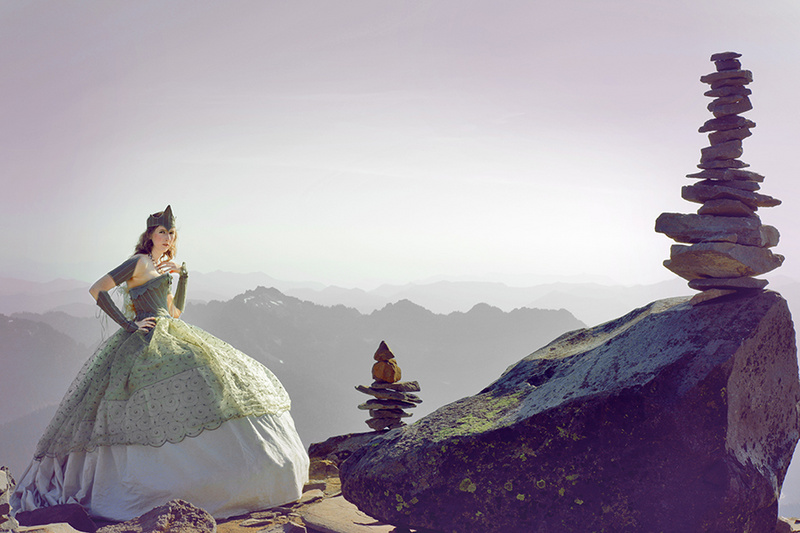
(390, 395)
(727, 244)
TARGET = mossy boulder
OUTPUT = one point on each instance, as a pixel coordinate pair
(675, 417)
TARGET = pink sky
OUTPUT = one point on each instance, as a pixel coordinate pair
(363, 142)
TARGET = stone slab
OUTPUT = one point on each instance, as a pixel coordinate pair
(389, 413)
(386, 404)
(727, 150)
(720, 260)
(726, 207)
(710, 294)
(751, 186)
(337, 515)
(728, 283)
(722, 163)
(726, 123)
(400, 386)
(735, 174)
(310, 496)
(692, 229)
(724, 108)
(60, 527)
(386, 394)
(379, 424)
(730, 174)
(727, 64)
(727, 91)
(725, 82)
(745, 75)
(717, 137)
(702, 193)
(724, 100)
(724, 56)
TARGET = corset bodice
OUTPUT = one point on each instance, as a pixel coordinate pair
(150, 298)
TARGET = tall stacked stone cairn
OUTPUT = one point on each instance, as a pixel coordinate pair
(390, 395)
(727, 243)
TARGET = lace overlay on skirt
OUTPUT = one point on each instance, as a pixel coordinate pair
(163, 386)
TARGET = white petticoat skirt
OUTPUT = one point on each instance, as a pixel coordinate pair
(244, 465)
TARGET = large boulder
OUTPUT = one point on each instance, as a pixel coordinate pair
(675, 417)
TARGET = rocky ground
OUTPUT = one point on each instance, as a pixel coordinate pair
(322, 509)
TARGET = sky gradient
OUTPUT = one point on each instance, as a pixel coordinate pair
(364, 142)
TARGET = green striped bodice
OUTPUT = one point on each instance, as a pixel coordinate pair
(150, 298)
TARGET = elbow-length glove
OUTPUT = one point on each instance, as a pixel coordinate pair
(179, 301)
(105, 303)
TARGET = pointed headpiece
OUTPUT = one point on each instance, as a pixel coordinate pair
(166, 219)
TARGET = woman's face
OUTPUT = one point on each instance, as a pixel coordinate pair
(162, 240)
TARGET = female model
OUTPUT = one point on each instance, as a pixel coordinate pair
(164, 410)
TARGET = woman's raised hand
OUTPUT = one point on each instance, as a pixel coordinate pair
(167, 266)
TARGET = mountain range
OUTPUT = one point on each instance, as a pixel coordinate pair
(452, 337)
(320, 353)
(592, 303)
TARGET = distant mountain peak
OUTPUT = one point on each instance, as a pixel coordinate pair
(404, 306)
(265, 297)
(485, 309)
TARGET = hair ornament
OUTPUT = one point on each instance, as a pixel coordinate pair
(166, 219)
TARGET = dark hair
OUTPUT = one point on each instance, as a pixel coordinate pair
(145, 244)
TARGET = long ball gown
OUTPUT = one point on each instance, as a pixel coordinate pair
(172, 413)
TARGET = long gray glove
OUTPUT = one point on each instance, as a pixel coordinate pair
(179, 300)
(105, 303)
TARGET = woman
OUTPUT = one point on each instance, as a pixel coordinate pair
(164, 410)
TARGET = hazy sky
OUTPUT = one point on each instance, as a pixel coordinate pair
(362, 142)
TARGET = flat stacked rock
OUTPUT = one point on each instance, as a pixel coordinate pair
(391, 396)
(728, 245)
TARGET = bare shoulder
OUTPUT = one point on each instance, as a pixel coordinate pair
(142, 261)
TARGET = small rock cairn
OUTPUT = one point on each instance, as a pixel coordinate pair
(727, 242)
(391, 396)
